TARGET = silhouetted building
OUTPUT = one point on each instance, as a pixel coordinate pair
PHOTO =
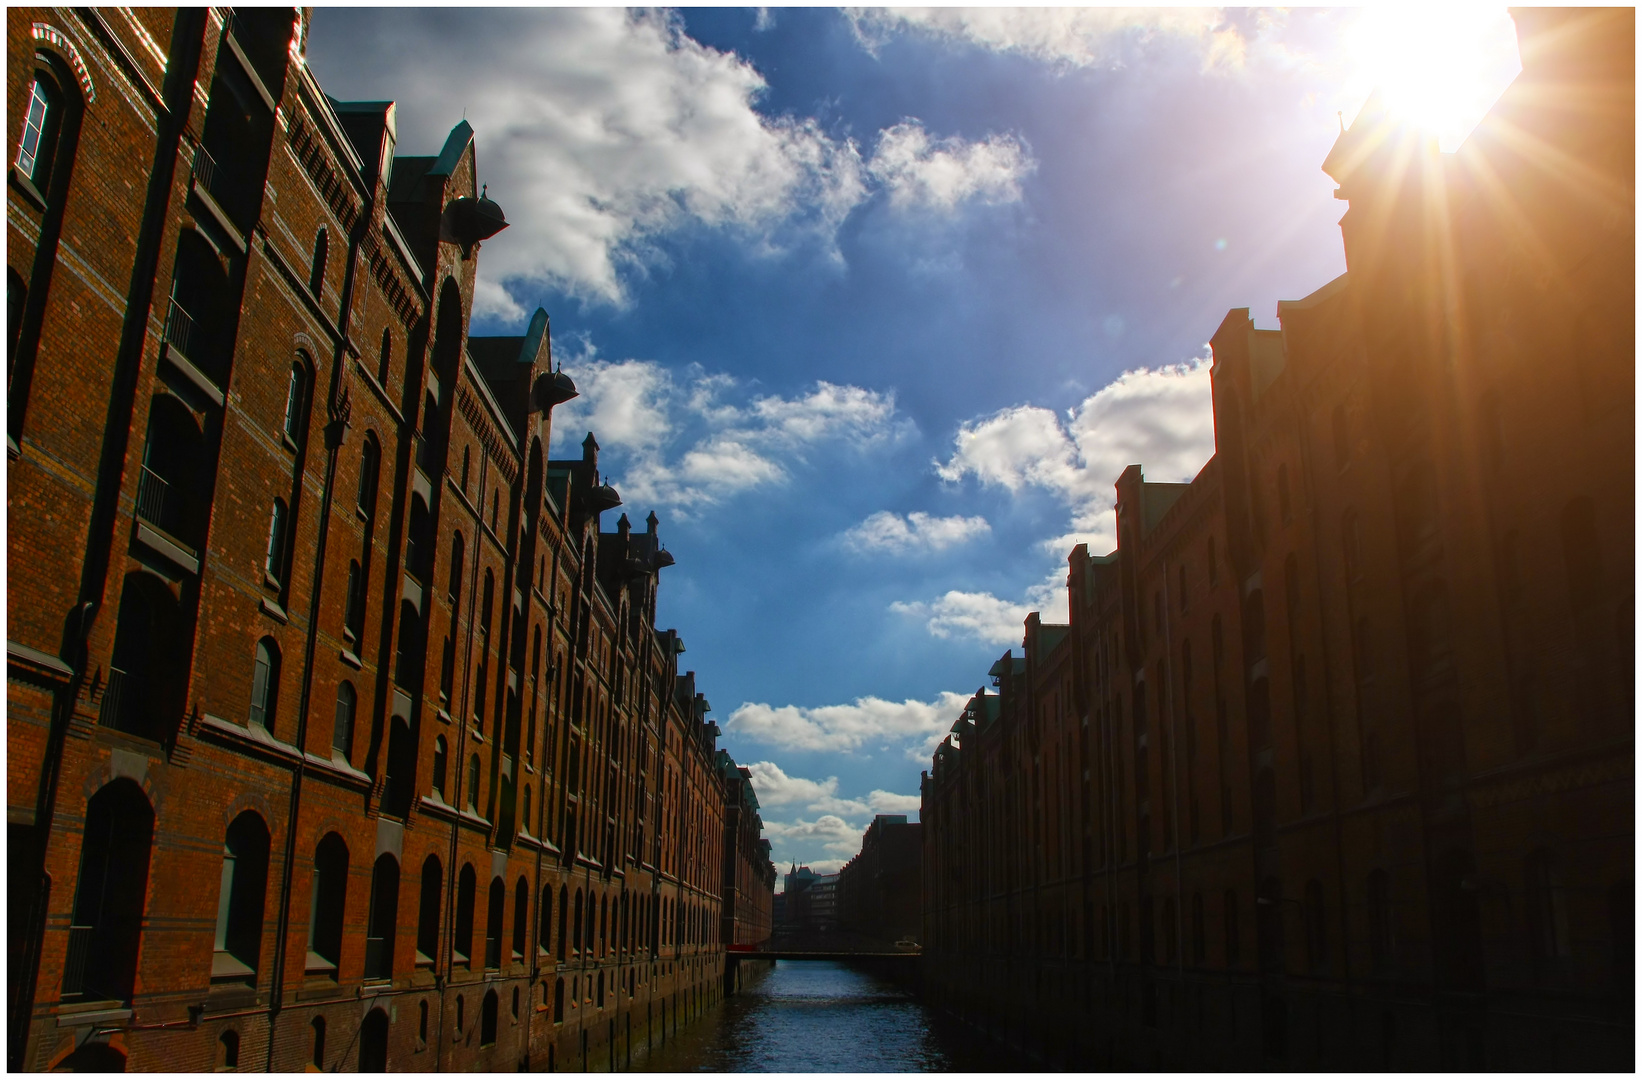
(880, 890)
(748, 890)
(1332, 767)
(339, 731)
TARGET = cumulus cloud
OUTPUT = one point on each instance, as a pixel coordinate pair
(1063, 37)
(889, 532)
(776, 789)
(691, 440)
(601, 129)
(867, 721)
(1161, 417)
(920, 172)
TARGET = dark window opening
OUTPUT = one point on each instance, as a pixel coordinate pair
(427, 911)
(106, 927)
(327, 899)
(238, 946)
(384, 918)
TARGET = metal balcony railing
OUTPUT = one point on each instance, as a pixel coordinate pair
(79, 951)
(121, 687)
(206, 173)
(179, 328)
(152, 489)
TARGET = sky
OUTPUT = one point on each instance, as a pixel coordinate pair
(872, 307)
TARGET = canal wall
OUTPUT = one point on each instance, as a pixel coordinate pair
(619, 1031)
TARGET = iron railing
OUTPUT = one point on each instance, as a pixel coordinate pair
(206, 173)
(151, 496)
(179, 328)
(79, 951)
(120, 687)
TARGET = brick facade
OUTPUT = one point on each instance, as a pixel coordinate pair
(340, 734)
(1333, 765)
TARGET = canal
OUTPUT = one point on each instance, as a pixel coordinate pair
(820, 1016)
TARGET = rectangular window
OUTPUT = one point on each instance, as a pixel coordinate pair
(34, 126)
(260, 671)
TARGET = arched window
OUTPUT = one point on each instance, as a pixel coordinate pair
(342, 728)
(370, 457)
(526, 808)
(604, 925)
(238, 946)
(400, 779)
(316, 273)
(384, 360)
(461, 1014)
(274, 563)
(427, 911)
(265, 684)
(106, 926)
(440, 752)
(41, 124)
(544, 922)
(466, 886)
(558, 1001)
(296, 403)
(473, 784)
(422, 1024)
(576, 925)
(316, 1054)
(373, 1042)
(326, 901)
(494, 911)
(521, 918)
(228, 1051)
(384, 918)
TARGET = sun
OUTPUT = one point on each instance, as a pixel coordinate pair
(1440, 66)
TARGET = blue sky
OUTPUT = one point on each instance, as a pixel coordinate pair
(872, 309)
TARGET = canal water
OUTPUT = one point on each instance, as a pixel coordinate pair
(820, 1016)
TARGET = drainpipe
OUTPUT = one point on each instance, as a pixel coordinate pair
(339, 407)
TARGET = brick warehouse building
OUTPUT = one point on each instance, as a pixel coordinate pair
(1333, 765)
(314, 657)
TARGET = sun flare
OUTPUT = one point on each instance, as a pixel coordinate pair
(1440, 66)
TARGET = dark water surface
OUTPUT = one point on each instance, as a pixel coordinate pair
(819, 1016)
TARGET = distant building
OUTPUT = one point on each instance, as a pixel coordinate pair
(880, 889)
(1333, 765)
(749, 875)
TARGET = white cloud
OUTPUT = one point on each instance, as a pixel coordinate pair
(693, 440)
(829, 832)
(775, 789)
(920, 172)
(1063, 37)
(887, 802)
(886, 531)
(600, 129)
(1161, 417)
(868, 721)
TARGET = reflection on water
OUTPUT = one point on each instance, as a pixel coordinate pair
(817, 1016)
